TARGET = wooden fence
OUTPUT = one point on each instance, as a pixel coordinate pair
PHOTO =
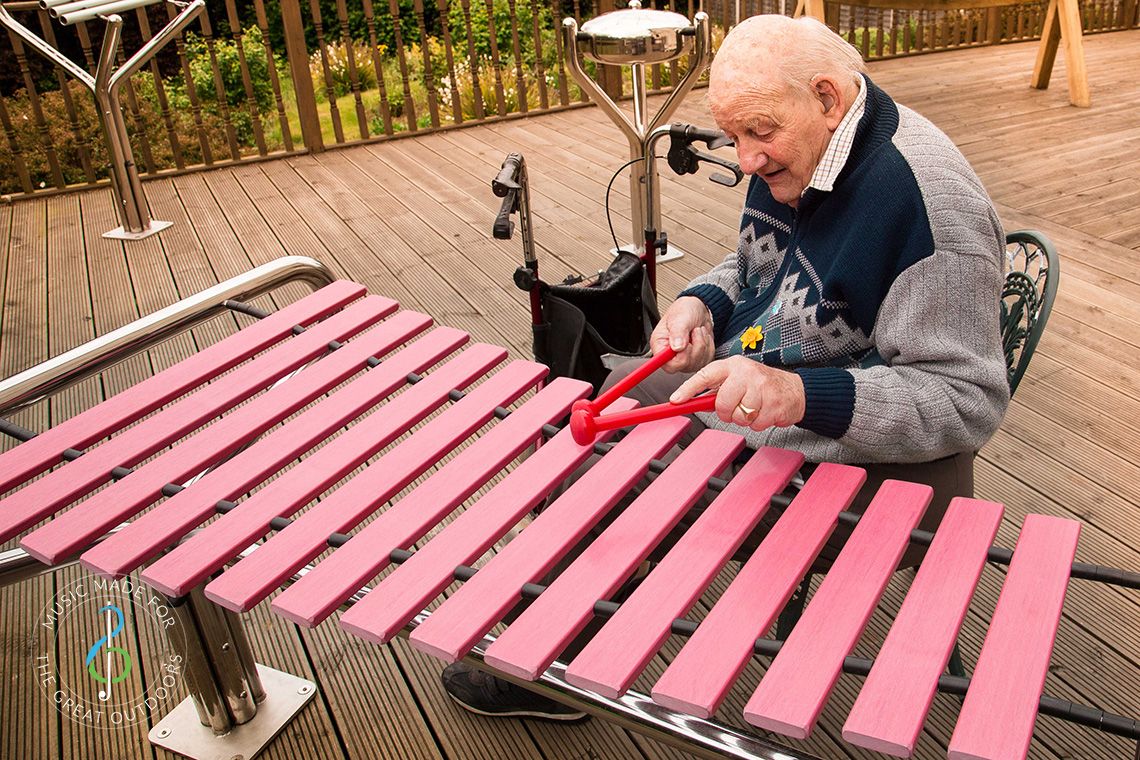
(260, 79)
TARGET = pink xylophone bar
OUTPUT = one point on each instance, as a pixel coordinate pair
(902, 533)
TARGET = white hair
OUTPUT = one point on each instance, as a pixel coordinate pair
(801, 48)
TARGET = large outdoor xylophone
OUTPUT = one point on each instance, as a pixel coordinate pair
(348, 354)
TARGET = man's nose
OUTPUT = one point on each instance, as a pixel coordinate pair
(751, 158)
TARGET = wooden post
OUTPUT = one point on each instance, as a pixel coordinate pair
(813, 8)
(993, 25)
(830, 12)
(298, 54)
(1047, 51)
(610, 77)
(1063, 23)
(1071, 36)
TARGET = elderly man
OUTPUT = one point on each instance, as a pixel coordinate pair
(857, 321)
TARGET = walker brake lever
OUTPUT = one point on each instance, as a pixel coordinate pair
(719, 142)
(685, 159)
(731, 166)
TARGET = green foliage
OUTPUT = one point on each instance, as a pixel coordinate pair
(873, 34)
(228, 56)
(385, 26)
(481, 32)
(336, 58)
(357, 22)
(235, 104)
(69, 143)
(220, 110)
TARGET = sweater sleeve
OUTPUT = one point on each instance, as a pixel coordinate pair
(942, 388)
(719, 288)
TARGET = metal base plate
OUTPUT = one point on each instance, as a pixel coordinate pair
(120, 233)
(181, 732)
(672, 254)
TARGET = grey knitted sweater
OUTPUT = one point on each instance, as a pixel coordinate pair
(882, 294)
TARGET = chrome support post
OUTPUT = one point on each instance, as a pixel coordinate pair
(217, 633)
(204, 690)
(230, 712)
(644, 193)
(126, 187)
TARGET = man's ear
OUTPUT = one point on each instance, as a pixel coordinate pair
(831, 99)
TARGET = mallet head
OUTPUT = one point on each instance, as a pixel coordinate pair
(582, 426)
(583, 404)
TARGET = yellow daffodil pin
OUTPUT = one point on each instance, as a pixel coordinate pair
(751, 337)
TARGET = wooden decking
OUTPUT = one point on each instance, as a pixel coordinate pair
(411, 219)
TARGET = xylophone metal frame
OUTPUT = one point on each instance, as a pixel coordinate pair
(634, 711)
(227, 693)
(227, 687)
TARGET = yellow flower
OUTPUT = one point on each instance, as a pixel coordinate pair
(751, 337)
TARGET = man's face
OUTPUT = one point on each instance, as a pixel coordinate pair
(779, 136)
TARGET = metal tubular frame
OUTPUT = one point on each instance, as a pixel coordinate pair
(645, 208)
(126, 186)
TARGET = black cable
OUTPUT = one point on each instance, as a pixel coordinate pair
(609, 187)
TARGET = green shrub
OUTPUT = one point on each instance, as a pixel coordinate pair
(873, 34)
(225, 51)
(68, 142)
(204, 122)
(480, 29)
(337, 57)
(86, 135)
(229, 67)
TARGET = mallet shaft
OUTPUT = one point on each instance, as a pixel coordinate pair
(632, 379)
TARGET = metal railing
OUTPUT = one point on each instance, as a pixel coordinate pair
(252, 80)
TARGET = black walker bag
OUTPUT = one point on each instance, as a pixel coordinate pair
(582, 323)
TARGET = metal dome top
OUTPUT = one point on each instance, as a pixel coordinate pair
(636, 35)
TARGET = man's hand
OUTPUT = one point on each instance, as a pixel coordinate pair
(749, 393)
(686, 327)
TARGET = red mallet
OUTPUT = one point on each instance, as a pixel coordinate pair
(621, 386)
(583, 412)
(585, 426)
(585, 423)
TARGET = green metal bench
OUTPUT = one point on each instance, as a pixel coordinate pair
(1026, 298)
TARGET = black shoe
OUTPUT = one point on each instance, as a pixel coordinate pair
(483, 694)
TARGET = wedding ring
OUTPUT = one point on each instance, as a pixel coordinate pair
(749, 413)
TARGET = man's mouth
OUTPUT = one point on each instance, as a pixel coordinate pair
(772, 175)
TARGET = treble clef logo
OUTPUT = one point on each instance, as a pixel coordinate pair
(112, 631)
